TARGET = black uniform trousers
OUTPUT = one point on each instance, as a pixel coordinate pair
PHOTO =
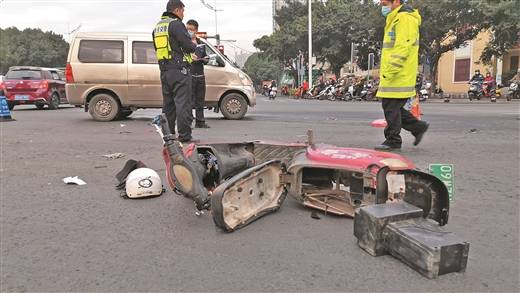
(198, 96)
(398, 117)
(177, 105)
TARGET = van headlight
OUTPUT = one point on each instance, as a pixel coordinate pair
(246, 81)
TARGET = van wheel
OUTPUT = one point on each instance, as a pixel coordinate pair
(104, 107)
(54, 103)
(233, 106)
(40, 106)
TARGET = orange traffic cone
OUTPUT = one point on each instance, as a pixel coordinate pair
(416, 109)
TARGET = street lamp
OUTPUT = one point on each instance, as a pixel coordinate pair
(214, 8)
(310, 42)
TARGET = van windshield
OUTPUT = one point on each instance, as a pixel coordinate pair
(24, 74)
(213, 50)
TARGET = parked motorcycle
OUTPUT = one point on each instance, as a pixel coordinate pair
(342, 94)
(514, 91)
(424, 93)
(368, 93)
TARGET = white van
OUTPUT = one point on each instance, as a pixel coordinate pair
(114, 74)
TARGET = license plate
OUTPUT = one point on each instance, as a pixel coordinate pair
(446, 173)
(21, 97)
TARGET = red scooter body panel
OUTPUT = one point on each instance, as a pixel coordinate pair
(356, 159)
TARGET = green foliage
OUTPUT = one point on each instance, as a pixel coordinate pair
(503, 19)
(260, 67)
(447, 25)
(31, 47)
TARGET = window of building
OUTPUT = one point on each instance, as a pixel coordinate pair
(462, 70)
(101, 51)
(514, 63)
(143, 53)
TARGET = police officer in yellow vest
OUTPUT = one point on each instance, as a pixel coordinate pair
(398, 73)
(174, 50)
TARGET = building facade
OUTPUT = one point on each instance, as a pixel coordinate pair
(456, 68)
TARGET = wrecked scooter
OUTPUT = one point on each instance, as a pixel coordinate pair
(242, 181)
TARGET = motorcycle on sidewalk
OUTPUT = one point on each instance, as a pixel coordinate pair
(514, 91)
(424, 93)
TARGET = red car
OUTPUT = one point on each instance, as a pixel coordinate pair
(36, 86)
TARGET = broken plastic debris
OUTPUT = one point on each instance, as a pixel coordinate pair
(114, 156)
(473, 130)
(123, 125)
(74, 181)
(315, 216)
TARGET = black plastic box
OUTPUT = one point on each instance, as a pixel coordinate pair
(428, 248)
(370, 223)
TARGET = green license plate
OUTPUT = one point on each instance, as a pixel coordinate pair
(446, 173)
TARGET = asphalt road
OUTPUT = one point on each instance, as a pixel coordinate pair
(57, 237)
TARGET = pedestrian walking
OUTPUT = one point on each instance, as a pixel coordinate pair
(399, 61)
(174, 50)
(197, 75)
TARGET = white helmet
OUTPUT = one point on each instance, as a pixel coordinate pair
(143, 182)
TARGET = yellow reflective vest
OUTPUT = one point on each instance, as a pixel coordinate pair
(161, 39)
(400, 54)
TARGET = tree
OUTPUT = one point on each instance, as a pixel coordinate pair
(337, 23)
(260, 67)
(31, 47)
(446, 26)
(502, 19)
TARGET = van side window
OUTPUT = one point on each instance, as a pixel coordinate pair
(143, 53)
(91, 51)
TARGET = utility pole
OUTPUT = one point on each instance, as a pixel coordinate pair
(371, 59)
(310, 43)
(216, 17)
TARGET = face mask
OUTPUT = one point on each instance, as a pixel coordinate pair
(191, 34)
(385, 10)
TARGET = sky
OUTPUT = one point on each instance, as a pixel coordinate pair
(240, 20)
